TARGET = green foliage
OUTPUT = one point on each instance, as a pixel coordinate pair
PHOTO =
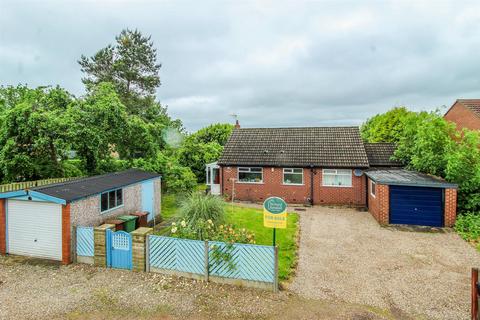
(386, 127)
(468, 226)
(428, 143)
(203, 147)
(199, 208)
(130, 65)
(33, 132)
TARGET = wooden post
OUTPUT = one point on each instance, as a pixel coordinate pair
(275, 277)
(207, 272)
(474, 294)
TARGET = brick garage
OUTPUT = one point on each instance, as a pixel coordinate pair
(397, 196)
(39, 222)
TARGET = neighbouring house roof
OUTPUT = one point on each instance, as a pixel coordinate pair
(380, 154)
(471, 104)
(339, 147)
(84, 187)
(403, 177)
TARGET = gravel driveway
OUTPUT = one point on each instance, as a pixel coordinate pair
(346, 256)
(31, 289)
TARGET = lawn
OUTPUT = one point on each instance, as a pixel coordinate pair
(252, 219)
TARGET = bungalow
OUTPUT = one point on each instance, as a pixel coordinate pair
(326, 166)
(465, 113)
(39, 222)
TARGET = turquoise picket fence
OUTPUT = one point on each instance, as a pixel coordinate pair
(85, 245)
(213, 260)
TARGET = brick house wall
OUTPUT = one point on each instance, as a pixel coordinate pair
(379, 205)
(463, 117)
(298, 194)
(450, 207)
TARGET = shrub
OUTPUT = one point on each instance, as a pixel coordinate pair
(468, 226)
(198, 207)
(207, 230)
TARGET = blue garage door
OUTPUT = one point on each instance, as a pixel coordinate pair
(416, 205)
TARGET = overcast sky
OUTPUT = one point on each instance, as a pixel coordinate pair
(273, 63)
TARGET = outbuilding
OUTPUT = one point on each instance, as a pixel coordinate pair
(39, 222)
(399, 196)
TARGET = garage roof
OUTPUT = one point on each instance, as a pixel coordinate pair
(81, 188)
(403, 177)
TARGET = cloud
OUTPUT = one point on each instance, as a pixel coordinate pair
(274, 63)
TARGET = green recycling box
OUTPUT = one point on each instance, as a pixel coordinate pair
(129, 222)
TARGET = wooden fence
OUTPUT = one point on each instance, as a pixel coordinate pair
(31, 184)
(243, 264)
(84, 244)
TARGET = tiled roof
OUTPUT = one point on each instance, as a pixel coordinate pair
(472, 104)
(76, 189)
(340, 147)
(380, 154)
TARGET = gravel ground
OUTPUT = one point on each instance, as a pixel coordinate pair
(346, 256)
(32, 289)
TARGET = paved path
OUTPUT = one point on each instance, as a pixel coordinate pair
(346, 256)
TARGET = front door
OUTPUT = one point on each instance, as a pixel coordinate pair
(147, 198)
(119, 250)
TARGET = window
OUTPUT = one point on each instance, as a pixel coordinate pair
(337, 177)
(373, 187)
(112, 199)
(250, 175)
(292, 176)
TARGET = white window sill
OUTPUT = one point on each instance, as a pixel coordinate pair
(244, 182)
(336, 186)
(293, 184)
(112, 209)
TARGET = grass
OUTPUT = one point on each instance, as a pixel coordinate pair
(252, 219)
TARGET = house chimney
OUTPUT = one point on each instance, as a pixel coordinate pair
(237, 124)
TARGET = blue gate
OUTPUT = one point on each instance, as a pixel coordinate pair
(119, 250)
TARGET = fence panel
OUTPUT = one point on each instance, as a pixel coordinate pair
(177, 254)
(242, 261)
(85, 242)
(31, 184)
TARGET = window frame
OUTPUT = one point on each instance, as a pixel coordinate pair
(290, 183)
(116, 206)
(335, 174)
(249, 171)
(373, 188)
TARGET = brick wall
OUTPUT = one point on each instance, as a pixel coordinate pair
(463, 117)
(66, 235)
(273, 186)
(3, 227)
(378, 205)
(450, 207)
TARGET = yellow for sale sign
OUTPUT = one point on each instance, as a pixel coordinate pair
(275, 213)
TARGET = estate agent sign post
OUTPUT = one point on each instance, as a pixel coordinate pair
(275, 214)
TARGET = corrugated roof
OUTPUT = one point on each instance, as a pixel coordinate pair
(403, 177)
(380, 154)
(81, 188)
(340, 147)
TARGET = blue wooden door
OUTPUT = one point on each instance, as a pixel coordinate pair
(416, 206)
(147, 198)
(119, 250)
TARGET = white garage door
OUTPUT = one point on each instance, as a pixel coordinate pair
(34, 229)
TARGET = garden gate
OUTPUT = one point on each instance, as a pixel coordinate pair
(119, 250)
